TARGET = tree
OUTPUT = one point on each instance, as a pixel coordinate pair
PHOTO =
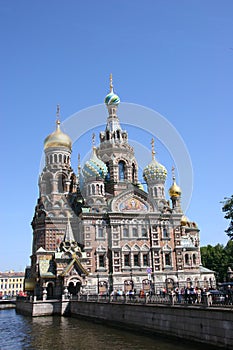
(228, 209)
(218, 259)
(215, 258)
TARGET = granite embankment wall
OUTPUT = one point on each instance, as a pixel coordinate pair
(43, 308)
(208, 325)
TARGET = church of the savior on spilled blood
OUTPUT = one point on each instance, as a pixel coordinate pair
(99, 230)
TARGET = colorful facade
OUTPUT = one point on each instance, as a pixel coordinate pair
(11, 283)
(99, 230)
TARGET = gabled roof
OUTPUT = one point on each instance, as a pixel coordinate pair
(79, 267)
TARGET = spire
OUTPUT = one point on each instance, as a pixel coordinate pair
(58, 138)
(111, 85)
(173, 174)
(69, 236)
(58, 122)
(111, 100)
(93, 140)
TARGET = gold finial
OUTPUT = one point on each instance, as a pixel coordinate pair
(153, 148)
(111, 85)
(93, 139)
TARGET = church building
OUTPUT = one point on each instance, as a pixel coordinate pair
(98, 230)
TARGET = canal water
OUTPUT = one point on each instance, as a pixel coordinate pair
(57, 333)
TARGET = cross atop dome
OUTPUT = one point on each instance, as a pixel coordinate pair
(112, 99)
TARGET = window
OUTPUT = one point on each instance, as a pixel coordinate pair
(121, 168)
(101, 260)
(100, 232)
(194, 259)
(136, 259)
(186, 258)
(135, 232)
(133, 173)
(144, 232)
(145, 260)
(165, 232)
(61, 180)
(126, 260)
(167, 259)
(125, 232)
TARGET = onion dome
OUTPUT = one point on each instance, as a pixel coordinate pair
(154, 172)
(95, 167)
(58, 138)
(184, 220)
(112, 99)
(140, 186)
(174, 190)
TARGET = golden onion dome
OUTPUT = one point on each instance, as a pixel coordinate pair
(174, 190)
(184, 220)
(57, 139)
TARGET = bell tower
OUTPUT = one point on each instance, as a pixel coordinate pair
(57, 183)
(115, 151)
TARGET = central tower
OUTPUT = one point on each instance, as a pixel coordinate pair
(115, 151)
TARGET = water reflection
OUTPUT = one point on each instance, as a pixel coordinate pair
(58, 333)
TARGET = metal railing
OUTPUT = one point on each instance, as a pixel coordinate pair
(205, 300)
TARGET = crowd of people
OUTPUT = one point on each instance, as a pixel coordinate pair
(187, 295)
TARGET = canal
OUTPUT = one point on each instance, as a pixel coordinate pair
(55, 332)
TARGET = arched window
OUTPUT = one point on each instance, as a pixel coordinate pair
(55, 158)
(61, 183)
(121, 167)
(186, 258)
(144, 232)
(125, 232)
(133, 173)
(107, 177)
(167, 259)
(48, 184)
(60, 158)
(165, 232)
(194, 259)
(135, 232)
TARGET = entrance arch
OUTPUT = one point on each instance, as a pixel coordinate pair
(74, 286)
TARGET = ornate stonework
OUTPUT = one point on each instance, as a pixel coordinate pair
(99, 229)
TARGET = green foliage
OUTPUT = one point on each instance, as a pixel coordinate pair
(228, 209)
(218, 259)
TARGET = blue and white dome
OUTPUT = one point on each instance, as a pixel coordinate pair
(111, 99)
(155, 172)
(94, 167)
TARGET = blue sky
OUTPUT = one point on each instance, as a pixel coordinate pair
(172, 56)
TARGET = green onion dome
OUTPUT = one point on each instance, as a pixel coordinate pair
(94, 167)
(112, 99)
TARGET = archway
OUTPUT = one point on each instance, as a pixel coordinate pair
(50, 290)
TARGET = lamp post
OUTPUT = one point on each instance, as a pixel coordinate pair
(98, 283)
(110, 282)
(131, 278)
